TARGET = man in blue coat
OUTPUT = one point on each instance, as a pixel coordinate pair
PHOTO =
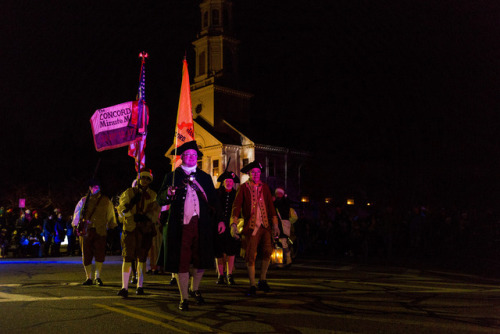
(194, 218)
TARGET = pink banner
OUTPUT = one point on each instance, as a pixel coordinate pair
(115, 126)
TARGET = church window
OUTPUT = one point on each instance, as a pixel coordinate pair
(215, 168)
(201, 63)
(215, 17)
(205, 19)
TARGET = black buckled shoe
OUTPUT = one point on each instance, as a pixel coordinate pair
(252, 292)
(139, 291)
(98, 281)
(230, 280)
(184, 305)
(221, 281)
(199, 299)
(88, 282)
(173, 281)
(263, 286)
(123, 293)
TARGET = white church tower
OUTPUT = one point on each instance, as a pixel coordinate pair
(221, 111)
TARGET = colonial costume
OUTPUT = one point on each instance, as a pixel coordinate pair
(192, 222)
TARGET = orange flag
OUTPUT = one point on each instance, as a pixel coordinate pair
(184, 130)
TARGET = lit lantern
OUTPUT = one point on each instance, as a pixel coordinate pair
(350, 201)
(304, 199)
(277, 255)
(328, 200)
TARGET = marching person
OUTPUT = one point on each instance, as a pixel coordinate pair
(286, 217)
(226, 247)
(191, 223)
(254, 203)
(138, 211)
(99, 216)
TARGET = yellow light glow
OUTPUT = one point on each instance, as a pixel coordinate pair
(277, 256)
(350, 201)
(328, 200)
(304, 199)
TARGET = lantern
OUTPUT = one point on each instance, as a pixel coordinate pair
(277, 255)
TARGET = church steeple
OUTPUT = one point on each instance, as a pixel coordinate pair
(216, 48)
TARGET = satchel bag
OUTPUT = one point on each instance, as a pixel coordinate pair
(83, 224)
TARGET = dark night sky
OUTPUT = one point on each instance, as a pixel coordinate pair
(392, 97)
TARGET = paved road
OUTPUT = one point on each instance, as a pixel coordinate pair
(314, 296)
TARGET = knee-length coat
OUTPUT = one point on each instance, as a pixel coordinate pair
(209, 216)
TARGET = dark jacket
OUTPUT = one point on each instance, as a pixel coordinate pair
(226, 200)
(207, 223)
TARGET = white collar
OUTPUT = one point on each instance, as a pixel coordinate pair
(188, 170)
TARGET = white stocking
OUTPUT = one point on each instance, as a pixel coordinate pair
(140, 274)
(126, 266)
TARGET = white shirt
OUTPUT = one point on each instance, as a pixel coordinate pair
(191, 204)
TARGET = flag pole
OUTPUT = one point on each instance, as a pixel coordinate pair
(143, 55)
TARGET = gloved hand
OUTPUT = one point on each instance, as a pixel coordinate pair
(140, 218)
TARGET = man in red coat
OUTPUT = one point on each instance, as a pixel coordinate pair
(254, 203)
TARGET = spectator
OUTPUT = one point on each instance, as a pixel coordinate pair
(49, 225)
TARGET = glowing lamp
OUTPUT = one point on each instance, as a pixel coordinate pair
(304, 199)
(277, 256)
(328, 200)
(350, 201)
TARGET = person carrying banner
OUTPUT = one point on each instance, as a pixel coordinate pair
(99, 217)
(192, 221)
(254, 203)
(138, 211)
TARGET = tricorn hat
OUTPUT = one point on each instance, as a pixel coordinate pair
(190, 145)
(228, 175)
(251, 166)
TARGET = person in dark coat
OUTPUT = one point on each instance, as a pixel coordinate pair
(226, 247)
(59, 234)
(49, 224)
(193, 220)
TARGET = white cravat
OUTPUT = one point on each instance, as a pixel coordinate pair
(192, 204)
(189, 170)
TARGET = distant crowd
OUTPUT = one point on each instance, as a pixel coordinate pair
(390, 234)
(30, 233)
(385, 234)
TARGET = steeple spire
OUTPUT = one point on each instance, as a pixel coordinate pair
(216, 48)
